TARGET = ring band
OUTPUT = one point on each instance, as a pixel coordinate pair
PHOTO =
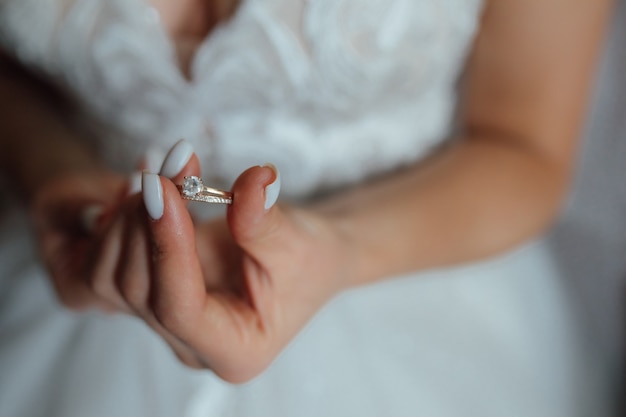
(193, 189)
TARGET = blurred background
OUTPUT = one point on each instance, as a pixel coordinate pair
(590, 241)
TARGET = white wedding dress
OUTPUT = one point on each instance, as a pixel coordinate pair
(332, 92)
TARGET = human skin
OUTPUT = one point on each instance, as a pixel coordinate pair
(249, 281)
(190, 21)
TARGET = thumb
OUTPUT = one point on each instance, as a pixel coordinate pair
(254, 220)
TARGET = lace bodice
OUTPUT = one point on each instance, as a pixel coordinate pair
(331, 91)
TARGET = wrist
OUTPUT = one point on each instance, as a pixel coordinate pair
(356, 264)
(344, 252)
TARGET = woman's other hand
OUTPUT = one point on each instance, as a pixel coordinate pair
(79, 220)
(70, 214)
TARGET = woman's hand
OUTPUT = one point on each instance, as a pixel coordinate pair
(237, 290)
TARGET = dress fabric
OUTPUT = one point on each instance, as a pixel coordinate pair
(333, 92)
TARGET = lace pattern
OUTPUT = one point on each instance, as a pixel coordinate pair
(331, 91)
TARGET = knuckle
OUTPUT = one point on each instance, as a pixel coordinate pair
(133, 292)
(71, 301)
(172, 320)
(238, 375)
(190, 362)
(100, 285)
(70, 295)
(241, 366)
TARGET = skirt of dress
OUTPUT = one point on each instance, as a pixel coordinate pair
(496, 338)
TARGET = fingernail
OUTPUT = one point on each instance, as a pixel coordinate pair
(177, 158)
(90, 216)
(152, 194)
(154, 158)
(134, 183)
(272, 190)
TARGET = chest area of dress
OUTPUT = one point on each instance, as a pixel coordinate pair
(321, 56)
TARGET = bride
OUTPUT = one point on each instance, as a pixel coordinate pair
(399, 274)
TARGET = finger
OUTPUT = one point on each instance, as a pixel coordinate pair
(134, 183)
(77, 218)
(104, 264)
(262, 230)
(180, 161)
(91, 216)
(72, 292)
(178, 287)
(152, 160)
(133, 280)
(272, 240)
(132, 275)
(255, 222)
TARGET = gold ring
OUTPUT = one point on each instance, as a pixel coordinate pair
(193, 189)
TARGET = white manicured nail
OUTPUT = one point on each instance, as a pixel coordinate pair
(272, 190)
(177, 158)
(90, 216)
(134, 183)
(154, 158)
(152, 194)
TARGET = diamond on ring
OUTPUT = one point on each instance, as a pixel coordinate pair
(192, 186)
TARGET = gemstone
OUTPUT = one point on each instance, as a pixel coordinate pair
(192, 186)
